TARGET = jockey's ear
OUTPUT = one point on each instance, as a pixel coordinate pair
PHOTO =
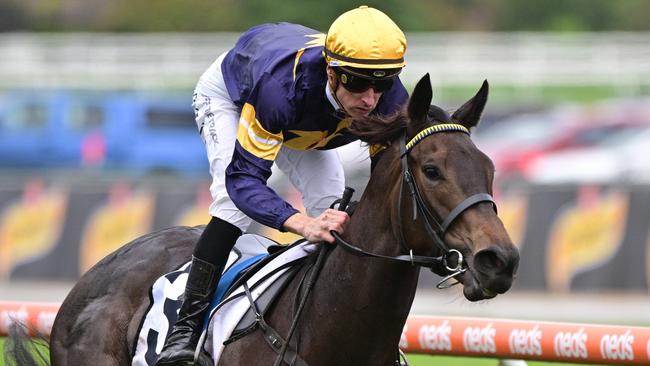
(419, 103)
(469, 114)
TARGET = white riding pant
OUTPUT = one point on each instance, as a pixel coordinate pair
(317, 174)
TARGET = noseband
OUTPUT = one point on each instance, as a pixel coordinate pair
(435, 227)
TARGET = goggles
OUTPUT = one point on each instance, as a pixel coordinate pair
(356, 83)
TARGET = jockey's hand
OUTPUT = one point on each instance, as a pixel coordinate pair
(316, 229)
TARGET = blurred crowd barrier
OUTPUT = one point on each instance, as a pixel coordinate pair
(572, 237)
(164, 60)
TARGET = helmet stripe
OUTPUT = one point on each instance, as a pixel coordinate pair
(363, 61)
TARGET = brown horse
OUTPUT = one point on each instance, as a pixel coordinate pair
(427, 204)
(359, 305)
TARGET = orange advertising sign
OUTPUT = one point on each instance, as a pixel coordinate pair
(31, 225)
(513, 212)
(541, 341)
(125, 216)
(585, 234)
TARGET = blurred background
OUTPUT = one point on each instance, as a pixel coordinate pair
(98, 143)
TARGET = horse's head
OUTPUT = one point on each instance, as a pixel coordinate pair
(447, 207)
(447, 169)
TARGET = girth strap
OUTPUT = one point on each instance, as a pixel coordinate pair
(276, 342)
(272, 338)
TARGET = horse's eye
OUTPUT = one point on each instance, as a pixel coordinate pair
(432, 172)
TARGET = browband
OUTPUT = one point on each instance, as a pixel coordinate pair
(443, 127)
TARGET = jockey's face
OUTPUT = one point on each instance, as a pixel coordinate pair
(355, 104)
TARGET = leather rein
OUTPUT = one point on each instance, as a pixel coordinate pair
(451, 263)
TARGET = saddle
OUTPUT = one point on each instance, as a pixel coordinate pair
(235, 278)
(257, 272)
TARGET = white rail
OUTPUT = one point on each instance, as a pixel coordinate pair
(160, 60)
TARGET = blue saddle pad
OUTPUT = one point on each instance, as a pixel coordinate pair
(249, 250)
(231, 275)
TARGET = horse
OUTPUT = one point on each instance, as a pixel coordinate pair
(427, 204)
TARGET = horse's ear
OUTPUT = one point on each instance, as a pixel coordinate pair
(470, 113)
(420, 100)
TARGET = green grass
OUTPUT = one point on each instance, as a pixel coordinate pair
(420, 360)
(544, 95)
(425, 360)
(2, 341)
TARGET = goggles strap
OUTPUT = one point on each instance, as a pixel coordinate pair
(333, 90)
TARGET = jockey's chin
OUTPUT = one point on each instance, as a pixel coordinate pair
(358, 112)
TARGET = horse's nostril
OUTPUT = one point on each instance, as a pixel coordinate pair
(494, 261)
(495, 268)
(488, 260)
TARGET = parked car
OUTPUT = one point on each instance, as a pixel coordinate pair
(508, 141)
(124, 131)
(618, 158)
(517, 143)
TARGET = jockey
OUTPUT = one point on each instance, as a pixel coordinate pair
(284, 94)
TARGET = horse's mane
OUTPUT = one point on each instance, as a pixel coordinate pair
(380, 129)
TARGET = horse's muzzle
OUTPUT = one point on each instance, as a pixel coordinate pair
(491, 272)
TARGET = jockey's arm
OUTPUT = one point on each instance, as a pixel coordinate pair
(258, 142)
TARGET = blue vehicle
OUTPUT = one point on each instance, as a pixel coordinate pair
(115, 131)
(29, 130)
(154, 134)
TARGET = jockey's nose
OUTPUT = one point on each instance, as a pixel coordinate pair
(370, 97)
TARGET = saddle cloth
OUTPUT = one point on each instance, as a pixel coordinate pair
(226, 313)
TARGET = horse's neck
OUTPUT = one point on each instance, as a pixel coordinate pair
(372, 295)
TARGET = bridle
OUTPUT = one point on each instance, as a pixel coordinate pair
(436, 228)
(441, 265)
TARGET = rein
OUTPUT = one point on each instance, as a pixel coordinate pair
(441, 265)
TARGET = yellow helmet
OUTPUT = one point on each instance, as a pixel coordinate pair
(365, 38)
